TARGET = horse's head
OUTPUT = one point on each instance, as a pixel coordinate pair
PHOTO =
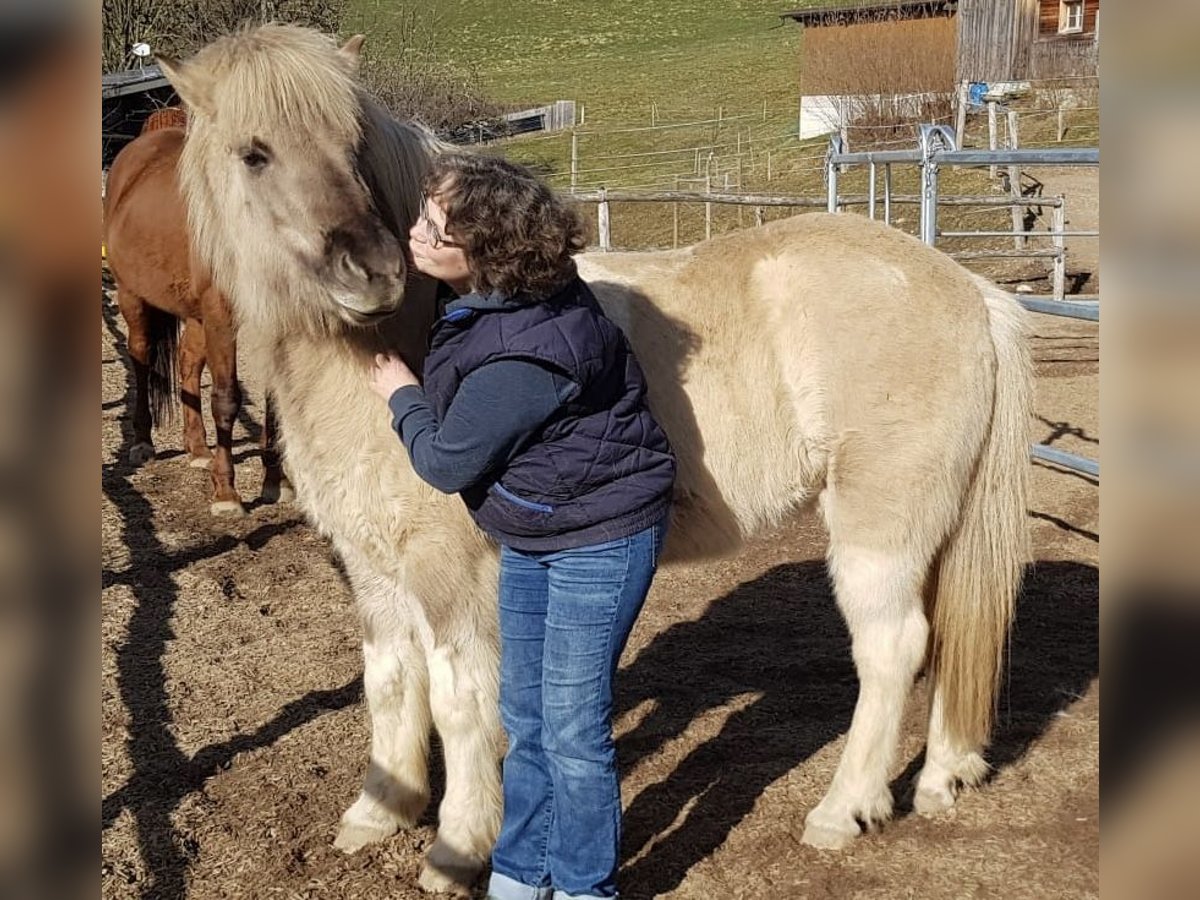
(278, 201)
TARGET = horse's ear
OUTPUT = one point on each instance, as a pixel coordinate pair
(188, 82)
(352, 48)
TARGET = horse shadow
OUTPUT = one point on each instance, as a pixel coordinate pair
(162, 775)
(779, 642)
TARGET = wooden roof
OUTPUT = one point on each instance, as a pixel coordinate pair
(850, 13)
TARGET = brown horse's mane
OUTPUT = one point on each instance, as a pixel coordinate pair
(167, 117)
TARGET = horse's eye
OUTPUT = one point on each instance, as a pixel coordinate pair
(254, 159)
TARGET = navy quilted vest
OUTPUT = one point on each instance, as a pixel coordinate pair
(601, 467)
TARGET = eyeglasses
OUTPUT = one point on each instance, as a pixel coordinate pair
(433, 236)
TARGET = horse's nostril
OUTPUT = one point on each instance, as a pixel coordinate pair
(350, 267)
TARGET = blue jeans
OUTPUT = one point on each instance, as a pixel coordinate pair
(564, 620)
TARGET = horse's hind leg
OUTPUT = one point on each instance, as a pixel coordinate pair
(879, 560)
(226, 401)
(135, 312)
(396, 788)
(463, 693)
(191, 367)
(948, 763)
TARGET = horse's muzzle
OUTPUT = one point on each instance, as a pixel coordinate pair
(365, 273)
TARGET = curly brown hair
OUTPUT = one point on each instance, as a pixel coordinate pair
(517, 233)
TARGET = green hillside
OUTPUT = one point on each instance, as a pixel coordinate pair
(617, 57)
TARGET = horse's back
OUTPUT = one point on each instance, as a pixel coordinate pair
(145, 222)
(832, 340)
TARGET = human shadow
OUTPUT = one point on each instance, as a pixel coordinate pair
(777, 651)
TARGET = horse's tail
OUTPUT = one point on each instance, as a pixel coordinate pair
(980, 569)
(163, 337)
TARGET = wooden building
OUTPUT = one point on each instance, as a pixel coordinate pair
(993, 40)
(1034, 40)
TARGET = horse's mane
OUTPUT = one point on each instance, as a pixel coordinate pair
(284, 74)
(392, 159)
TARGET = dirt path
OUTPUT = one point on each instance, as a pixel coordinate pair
(234, 733)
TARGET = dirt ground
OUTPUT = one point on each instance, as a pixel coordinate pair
(235, 733)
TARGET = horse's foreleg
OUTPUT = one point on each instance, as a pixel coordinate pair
(133, 311)
(463, 692)
(879, 595)
(191, 367)
(226, 403)
(396, 788)
(276, 486)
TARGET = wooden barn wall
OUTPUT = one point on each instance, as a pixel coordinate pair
(1048, 16)
(906, 56)
(1010, 40)
(1063, 57)
(986, 31)
(1055, 55)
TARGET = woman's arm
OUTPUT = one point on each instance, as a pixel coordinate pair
(497, 408)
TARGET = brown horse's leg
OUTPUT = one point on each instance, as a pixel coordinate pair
(191, 367)
(134, 312)
(226, 401)
(276, 487)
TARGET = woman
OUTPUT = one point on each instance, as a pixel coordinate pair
(533, 409)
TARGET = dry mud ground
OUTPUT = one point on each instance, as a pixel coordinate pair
(235, 733)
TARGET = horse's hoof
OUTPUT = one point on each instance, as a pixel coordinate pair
(365, 822)
(436, 881)
(228, 508)
(200, 462)
(353, 836)
(449, 870)
(930, 801)
(830, 836)
(141, 453)
(278, 493)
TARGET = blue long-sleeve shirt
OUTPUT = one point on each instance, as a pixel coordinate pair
(497, 408)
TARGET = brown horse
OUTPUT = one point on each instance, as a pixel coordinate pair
(160, 284)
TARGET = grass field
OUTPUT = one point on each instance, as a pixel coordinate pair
(617, 57)
(731, 67)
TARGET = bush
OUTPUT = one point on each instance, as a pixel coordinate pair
(181, 27)
(893, 74)
(402, 68)
(400, 64)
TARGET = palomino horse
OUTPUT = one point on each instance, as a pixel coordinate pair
(821, 357)
(159, 283)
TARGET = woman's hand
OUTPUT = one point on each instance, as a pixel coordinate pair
(389, 373)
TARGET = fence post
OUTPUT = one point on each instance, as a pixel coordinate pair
(1058, 220)
(887, 193)
(1014, 183)
(1062, 124)
(932, 138)
(768, 165)
(574, 160)
(960, 121)
(675, 218)
(831, 173)
(871, 190)
(603, 223)
(707, 207)
(991, 108)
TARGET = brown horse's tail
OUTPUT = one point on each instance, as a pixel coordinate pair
(980, 569)
(163, 335)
